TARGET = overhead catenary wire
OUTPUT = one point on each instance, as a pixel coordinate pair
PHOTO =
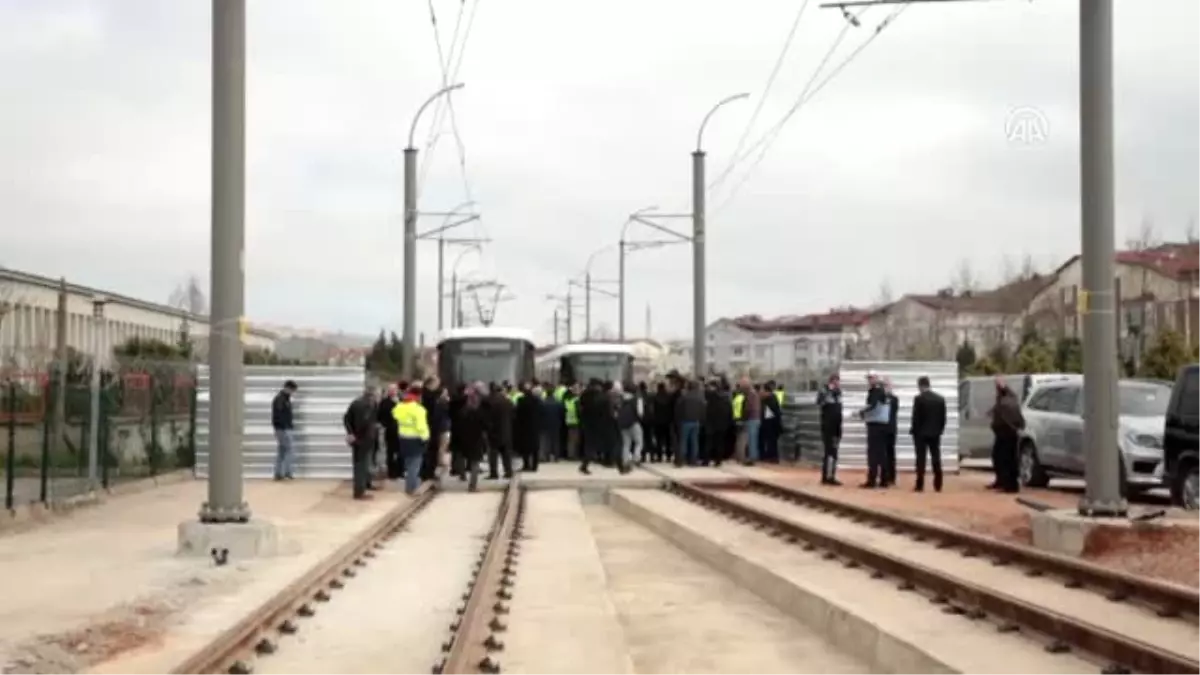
(449, 63)
(762, 99)
(442, 105)
(810, 91)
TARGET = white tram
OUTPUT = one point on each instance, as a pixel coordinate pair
(580, 362)
(485, 354)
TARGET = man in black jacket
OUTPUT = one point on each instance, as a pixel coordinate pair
(391, 435)
(595, 416)
(527, 422)
(829, 400)
(359, 422)
(928, 424)
(283, 423)
(1007, 424)
(499, 432)
(718, 417)
(772, 424)
(889, 455)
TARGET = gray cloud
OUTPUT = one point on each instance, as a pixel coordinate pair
(574, 115)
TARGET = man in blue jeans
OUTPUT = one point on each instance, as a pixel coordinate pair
(690, 411)
(751, 422)
(282, 423)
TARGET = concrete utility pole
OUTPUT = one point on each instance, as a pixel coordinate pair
(1102, 468)
(410, 235)
(226, 376)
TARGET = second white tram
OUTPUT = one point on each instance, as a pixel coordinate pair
(578, 363)
(485, 354)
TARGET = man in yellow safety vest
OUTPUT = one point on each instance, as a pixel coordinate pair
(412, 425)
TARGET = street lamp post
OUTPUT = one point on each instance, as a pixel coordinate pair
(698, 241)
(410, 234)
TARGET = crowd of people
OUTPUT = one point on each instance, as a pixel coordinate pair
(424, 430)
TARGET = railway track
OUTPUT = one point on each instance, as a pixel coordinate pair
(474, 636)
(474, 640)
(1059, 632)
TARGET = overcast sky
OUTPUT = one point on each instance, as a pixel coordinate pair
(576, 113)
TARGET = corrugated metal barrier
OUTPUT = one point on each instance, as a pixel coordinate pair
(318, 405)
(802, 427)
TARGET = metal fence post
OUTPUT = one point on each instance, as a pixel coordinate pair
(10, 463)
(48, 426)
(105, 427)
(192, 404)
(155, 450)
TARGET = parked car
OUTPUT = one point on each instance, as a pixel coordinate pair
(977, 395)
(1052, 444)
(1180, 438)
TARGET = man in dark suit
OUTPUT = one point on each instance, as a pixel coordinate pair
(928, 424)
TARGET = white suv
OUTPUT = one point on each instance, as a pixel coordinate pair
(1052, 444)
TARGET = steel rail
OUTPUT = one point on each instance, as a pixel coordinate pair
(473, 635)
(231, 651)
(960, 596)
(1165, 598)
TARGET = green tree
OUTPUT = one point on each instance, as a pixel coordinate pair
(1165, 355)
(986, 366)
(396, 355)
(1035, 357)
(966, 356)
(1068, 355)
(379, 358)
(1000, 357)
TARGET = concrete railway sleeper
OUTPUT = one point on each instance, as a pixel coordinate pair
(1057, 632)
(476, 634)
(1163, 598)
(234, 650)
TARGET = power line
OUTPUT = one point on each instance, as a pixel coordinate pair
(807, 95)
(450, 62)
(443, 104)
(762, 100)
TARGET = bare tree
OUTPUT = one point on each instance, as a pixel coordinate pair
(965, 280)
(1189, 230)
(1008, 270)
(603, 332)
(1146, 238)
(189, 297)
(884, 296)
(1029, 267)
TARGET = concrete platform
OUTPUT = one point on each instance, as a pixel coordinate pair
(891, 631)
(562, 619)
(1137, 622)
(1065, 531)
(682, 616)
(99, 589)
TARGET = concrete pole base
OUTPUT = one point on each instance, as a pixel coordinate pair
(241, 541)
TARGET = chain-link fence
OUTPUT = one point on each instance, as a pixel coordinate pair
(144, 427)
